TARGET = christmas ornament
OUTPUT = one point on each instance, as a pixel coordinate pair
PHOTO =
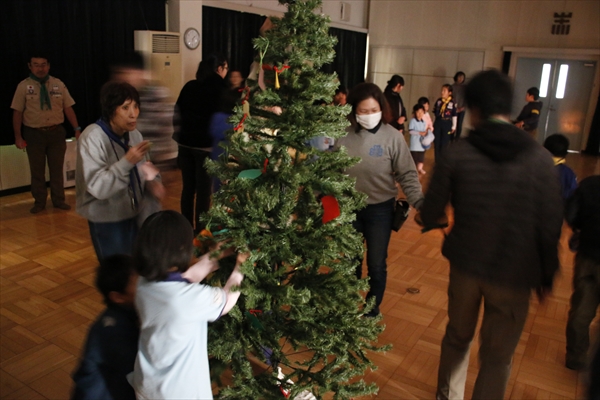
(331, 208)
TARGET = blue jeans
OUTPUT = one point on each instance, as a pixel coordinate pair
(375, 224)
(196, 184)
(110, 238)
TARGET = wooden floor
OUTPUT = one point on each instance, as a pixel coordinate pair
(47, 302)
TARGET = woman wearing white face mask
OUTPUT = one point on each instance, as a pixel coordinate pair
(385, 158)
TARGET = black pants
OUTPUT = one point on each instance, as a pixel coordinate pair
(196, 184)
(441, 130)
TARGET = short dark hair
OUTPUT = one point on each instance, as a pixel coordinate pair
(209, 65)
(535, 92)
(38, 54)
(341, 89)
(423, 100)
(113, 94)
(557, 145)
(165, 241)
(490, 93)
(113, 274)
(394, 81)
(459, 73)
(448, 86)
(418, 107)
(364, 91)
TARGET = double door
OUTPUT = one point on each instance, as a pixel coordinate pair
(565, 90)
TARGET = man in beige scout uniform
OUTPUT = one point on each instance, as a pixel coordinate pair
(38, 107)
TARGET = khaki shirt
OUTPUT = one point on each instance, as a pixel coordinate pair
(27, 100)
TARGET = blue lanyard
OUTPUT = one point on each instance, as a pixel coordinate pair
(114, 138)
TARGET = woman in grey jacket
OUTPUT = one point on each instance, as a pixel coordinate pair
(385, 159)
(112, 172)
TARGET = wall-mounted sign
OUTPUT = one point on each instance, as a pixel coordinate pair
(562, 23)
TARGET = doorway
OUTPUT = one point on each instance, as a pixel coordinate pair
(565, 90)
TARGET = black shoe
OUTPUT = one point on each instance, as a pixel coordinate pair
(575, 365)
(36, 209)
(63, 206)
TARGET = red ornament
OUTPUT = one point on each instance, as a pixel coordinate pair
(331, 208)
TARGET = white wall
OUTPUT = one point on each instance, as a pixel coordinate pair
(428, 41)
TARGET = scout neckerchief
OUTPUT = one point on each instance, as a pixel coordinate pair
(444, 104)
(133, 173)
(559, 160)
(44, 96)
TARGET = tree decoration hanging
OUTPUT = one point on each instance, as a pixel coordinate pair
(299, 327)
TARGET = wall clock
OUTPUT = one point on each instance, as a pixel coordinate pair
(191, 38)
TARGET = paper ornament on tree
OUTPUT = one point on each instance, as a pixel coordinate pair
(331, 208)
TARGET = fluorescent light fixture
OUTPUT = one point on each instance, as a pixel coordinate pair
(562, 81)
(545, 80)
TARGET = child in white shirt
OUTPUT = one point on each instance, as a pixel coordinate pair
(174, 310)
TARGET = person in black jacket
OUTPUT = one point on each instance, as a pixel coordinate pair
(529, 117)
(508, 215)
(196, 104)
(583, 214)
(112, 342)
(392, 95)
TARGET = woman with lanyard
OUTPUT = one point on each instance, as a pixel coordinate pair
(112, 175)
(385, 159)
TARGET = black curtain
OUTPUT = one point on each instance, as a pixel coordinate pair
(80, 37)
(350, 57)
(231, 33)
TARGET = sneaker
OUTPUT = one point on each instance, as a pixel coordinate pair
(63, 206)
(36, 209)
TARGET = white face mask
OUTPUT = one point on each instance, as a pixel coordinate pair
(368, 121)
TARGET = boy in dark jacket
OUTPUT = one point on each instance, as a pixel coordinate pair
(530, 114)
(558, 146)
(112, 341)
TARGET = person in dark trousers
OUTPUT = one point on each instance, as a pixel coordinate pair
(583, 215)
(40, 105)
(112, 342)
(529, 117)
(197, 102)
(508, 216)
(392, 95)
(444, 125)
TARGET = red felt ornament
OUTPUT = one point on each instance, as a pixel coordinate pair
(265, 163)
(331, 208)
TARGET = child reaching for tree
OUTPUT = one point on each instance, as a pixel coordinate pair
(174, 310)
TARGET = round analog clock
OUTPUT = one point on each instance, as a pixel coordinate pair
(191, 38)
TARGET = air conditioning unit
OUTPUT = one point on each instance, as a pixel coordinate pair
(162, 56)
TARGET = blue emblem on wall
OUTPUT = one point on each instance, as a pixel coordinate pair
(376, 151)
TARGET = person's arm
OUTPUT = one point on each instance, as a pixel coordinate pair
(72, 118)
(89, 384)
(235, 280)
(437, 195)
(17, 124)
(406, 174)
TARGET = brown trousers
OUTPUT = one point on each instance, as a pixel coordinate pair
(42, 145)
(504, 315)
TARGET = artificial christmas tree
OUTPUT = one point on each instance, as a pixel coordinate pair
(300, 317)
